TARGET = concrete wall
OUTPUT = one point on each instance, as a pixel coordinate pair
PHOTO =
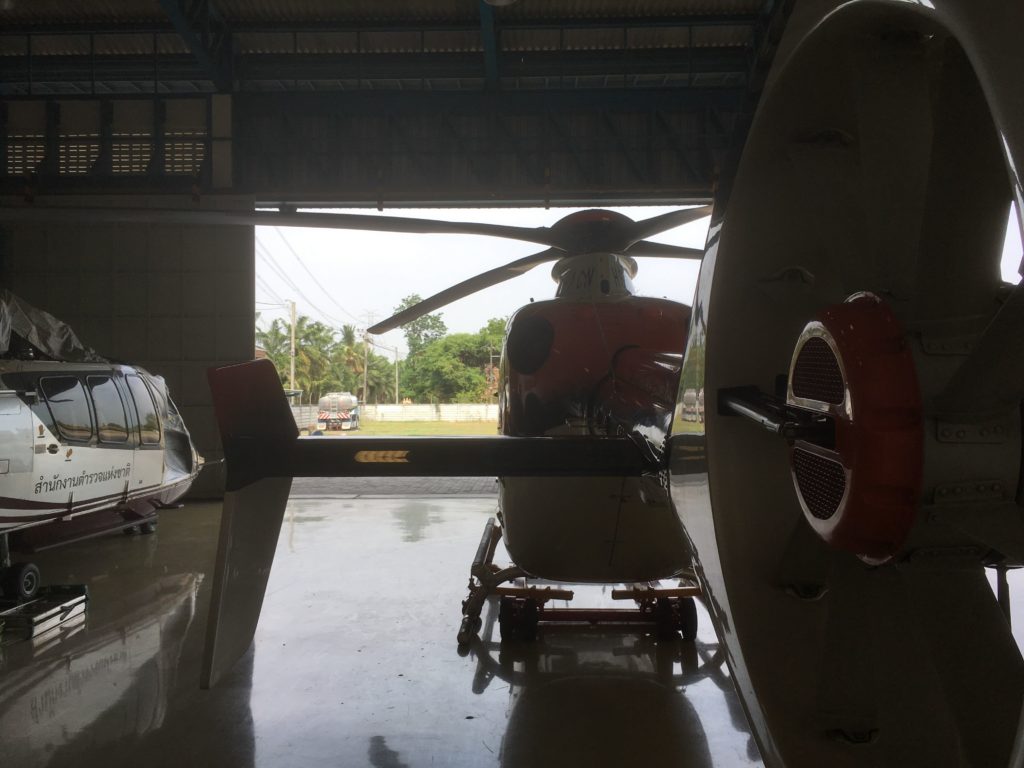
(173, 299)
(445, 412)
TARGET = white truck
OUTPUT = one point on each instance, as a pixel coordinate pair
(337, 410)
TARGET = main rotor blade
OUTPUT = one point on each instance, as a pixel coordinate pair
(662, 250)
(75, 215)
(652, 226)
(466, 287)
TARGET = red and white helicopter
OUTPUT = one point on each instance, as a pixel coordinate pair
(859, 464)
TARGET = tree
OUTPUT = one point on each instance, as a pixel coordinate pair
(453, 368)
(347, 360)
(314, 343)
(380, 379)
(423, 330)
(276, 342)
(327, 360)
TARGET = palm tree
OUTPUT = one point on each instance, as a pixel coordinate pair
(314, 345)
(276, 341)
(381, 379)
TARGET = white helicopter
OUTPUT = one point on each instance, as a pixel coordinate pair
(86, 446)
(859, 461)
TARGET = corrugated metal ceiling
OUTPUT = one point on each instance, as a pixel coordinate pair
(187, 45)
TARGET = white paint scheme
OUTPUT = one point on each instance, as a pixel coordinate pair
(592, 529)
(914, 661)
(594, 276)
(53, 478)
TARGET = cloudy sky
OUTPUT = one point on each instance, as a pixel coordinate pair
(357, 278)
(351, 277)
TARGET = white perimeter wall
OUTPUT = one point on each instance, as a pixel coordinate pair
(306, 414)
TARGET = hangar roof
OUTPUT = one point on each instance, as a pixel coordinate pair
(367, 101)
(54, 47)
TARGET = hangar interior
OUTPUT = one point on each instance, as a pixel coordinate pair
(226, 104)
(231, 105)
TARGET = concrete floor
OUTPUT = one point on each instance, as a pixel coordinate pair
(355, 661)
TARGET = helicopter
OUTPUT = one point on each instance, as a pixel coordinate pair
(855, 461)
(88, 445)
(858, 463)
(593, 370)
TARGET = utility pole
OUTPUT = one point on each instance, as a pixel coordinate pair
(366, 353)
(291, 368)
(366, 360)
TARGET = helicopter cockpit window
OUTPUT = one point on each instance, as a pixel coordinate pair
(65, 397)
(110, 416)
(149, 422)
(165, 406)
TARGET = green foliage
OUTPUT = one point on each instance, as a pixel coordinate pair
(327, 360)
(423, 330)
(440, 368)
(276, 341)
(451, 369)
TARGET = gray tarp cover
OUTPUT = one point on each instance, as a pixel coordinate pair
(42, 330)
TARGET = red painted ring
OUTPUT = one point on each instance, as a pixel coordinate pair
(879, 433)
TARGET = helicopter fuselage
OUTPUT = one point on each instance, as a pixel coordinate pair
(603, 366)
(82, 438)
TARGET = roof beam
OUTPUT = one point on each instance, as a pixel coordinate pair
(209, 56)
(288, 27)
(489, 38)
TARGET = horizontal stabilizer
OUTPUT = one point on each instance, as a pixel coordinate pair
(261, 440)
(465, 457)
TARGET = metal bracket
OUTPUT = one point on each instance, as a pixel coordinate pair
(777, 416)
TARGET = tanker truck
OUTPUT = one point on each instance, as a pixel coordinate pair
(337, 410)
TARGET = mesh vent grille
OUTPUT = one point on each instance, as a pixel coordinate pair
(816, 373)
(821, 482)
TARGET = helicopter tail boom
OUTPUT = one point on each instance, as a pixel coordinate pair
(263, 452)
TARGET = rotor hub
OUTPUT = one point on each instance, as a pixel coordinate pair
(594, 276)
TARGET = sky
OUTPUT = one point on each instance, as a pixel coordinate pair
(358, 278)
(362, 276)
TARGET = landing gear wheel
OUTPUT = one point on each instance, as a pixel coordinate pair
(467, 630)
(147, 528)
(666, 616)
(676, 615)
(688, 618)
(21, 581)
(518, 618)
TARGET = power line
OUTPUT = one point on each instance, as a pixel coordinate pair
(271, 262)
(268, 290)
(313, 277)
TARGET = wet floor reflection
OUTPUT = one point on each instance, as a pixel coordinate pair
(104, 683)
(382, 757)
(354, 663)
(414, 517)
(604, 697)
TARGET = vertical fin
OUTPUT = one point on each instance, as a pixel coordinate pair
(258, 432)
